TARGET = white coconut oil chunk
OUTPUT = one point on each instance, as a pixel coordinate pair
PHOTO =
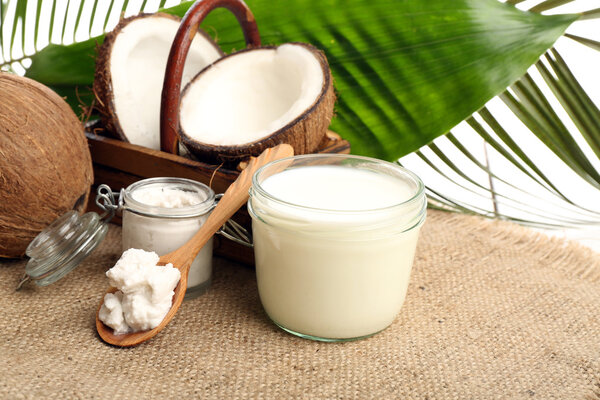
(144, 295)
(248, 97)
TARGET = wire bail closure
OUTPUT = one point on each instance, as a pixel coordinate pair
(233, 230)
(105, 199)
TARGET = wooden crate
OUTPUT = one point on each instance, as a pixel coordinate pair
(119, 164)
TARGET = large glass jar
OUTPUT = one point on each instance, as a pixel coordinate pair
(334, 241)
(165, 227)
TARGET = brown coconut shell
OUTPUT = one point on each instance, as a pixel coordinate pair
(45, 163)
(105, 103)
(304, 133)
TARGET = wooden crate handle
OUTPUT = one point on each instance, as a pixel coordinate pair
(171, 93)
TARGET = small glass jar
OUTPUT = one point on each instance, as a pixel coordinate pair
(162, 229)
(334, 274)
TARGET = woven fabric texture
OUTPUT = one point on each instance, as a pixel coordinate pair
(493, 311)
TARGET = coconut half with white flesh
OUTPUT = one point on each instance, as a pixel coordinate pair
(257, 98)
(130, 70)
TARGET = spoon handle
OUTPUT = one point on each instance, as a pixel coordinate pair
(234, 197)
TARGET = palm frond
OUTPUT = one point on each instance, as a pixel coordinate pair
(547, 120)
(517, 186)
(61, 23)
(549, 5)
(58, 23)
(493, 164)
(586, 41)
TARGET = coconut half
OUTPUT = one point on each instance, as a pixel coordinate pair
(130, 70)
(257, 98)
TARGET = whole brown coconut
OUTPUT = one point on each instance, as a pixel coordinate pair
(45, 164)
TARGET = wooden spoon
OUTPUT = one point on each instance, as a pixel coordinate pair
(235, 196)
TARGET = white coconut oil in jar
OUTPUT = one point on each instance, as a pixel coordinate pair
(161, 214)
(334, 241)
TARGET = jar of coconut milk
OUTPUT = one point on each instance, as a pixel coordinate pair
(161, 214)
(334, 241)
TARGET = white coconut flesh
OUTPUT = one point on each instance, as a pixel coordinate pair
(138, 62)
(250, 95)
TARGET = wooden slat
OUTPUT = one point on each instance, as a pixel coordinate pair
(148, 163)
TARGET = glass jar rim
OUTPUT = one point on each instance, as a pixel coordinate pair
(416, 196)
(195, 210)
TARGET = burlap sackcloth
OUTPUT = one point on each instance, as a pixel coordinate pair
(493, 311)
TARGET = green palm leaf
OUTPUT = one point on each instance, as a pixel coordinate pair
(408, 72)
(397, 65)
(558, 116)
(539, 187)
